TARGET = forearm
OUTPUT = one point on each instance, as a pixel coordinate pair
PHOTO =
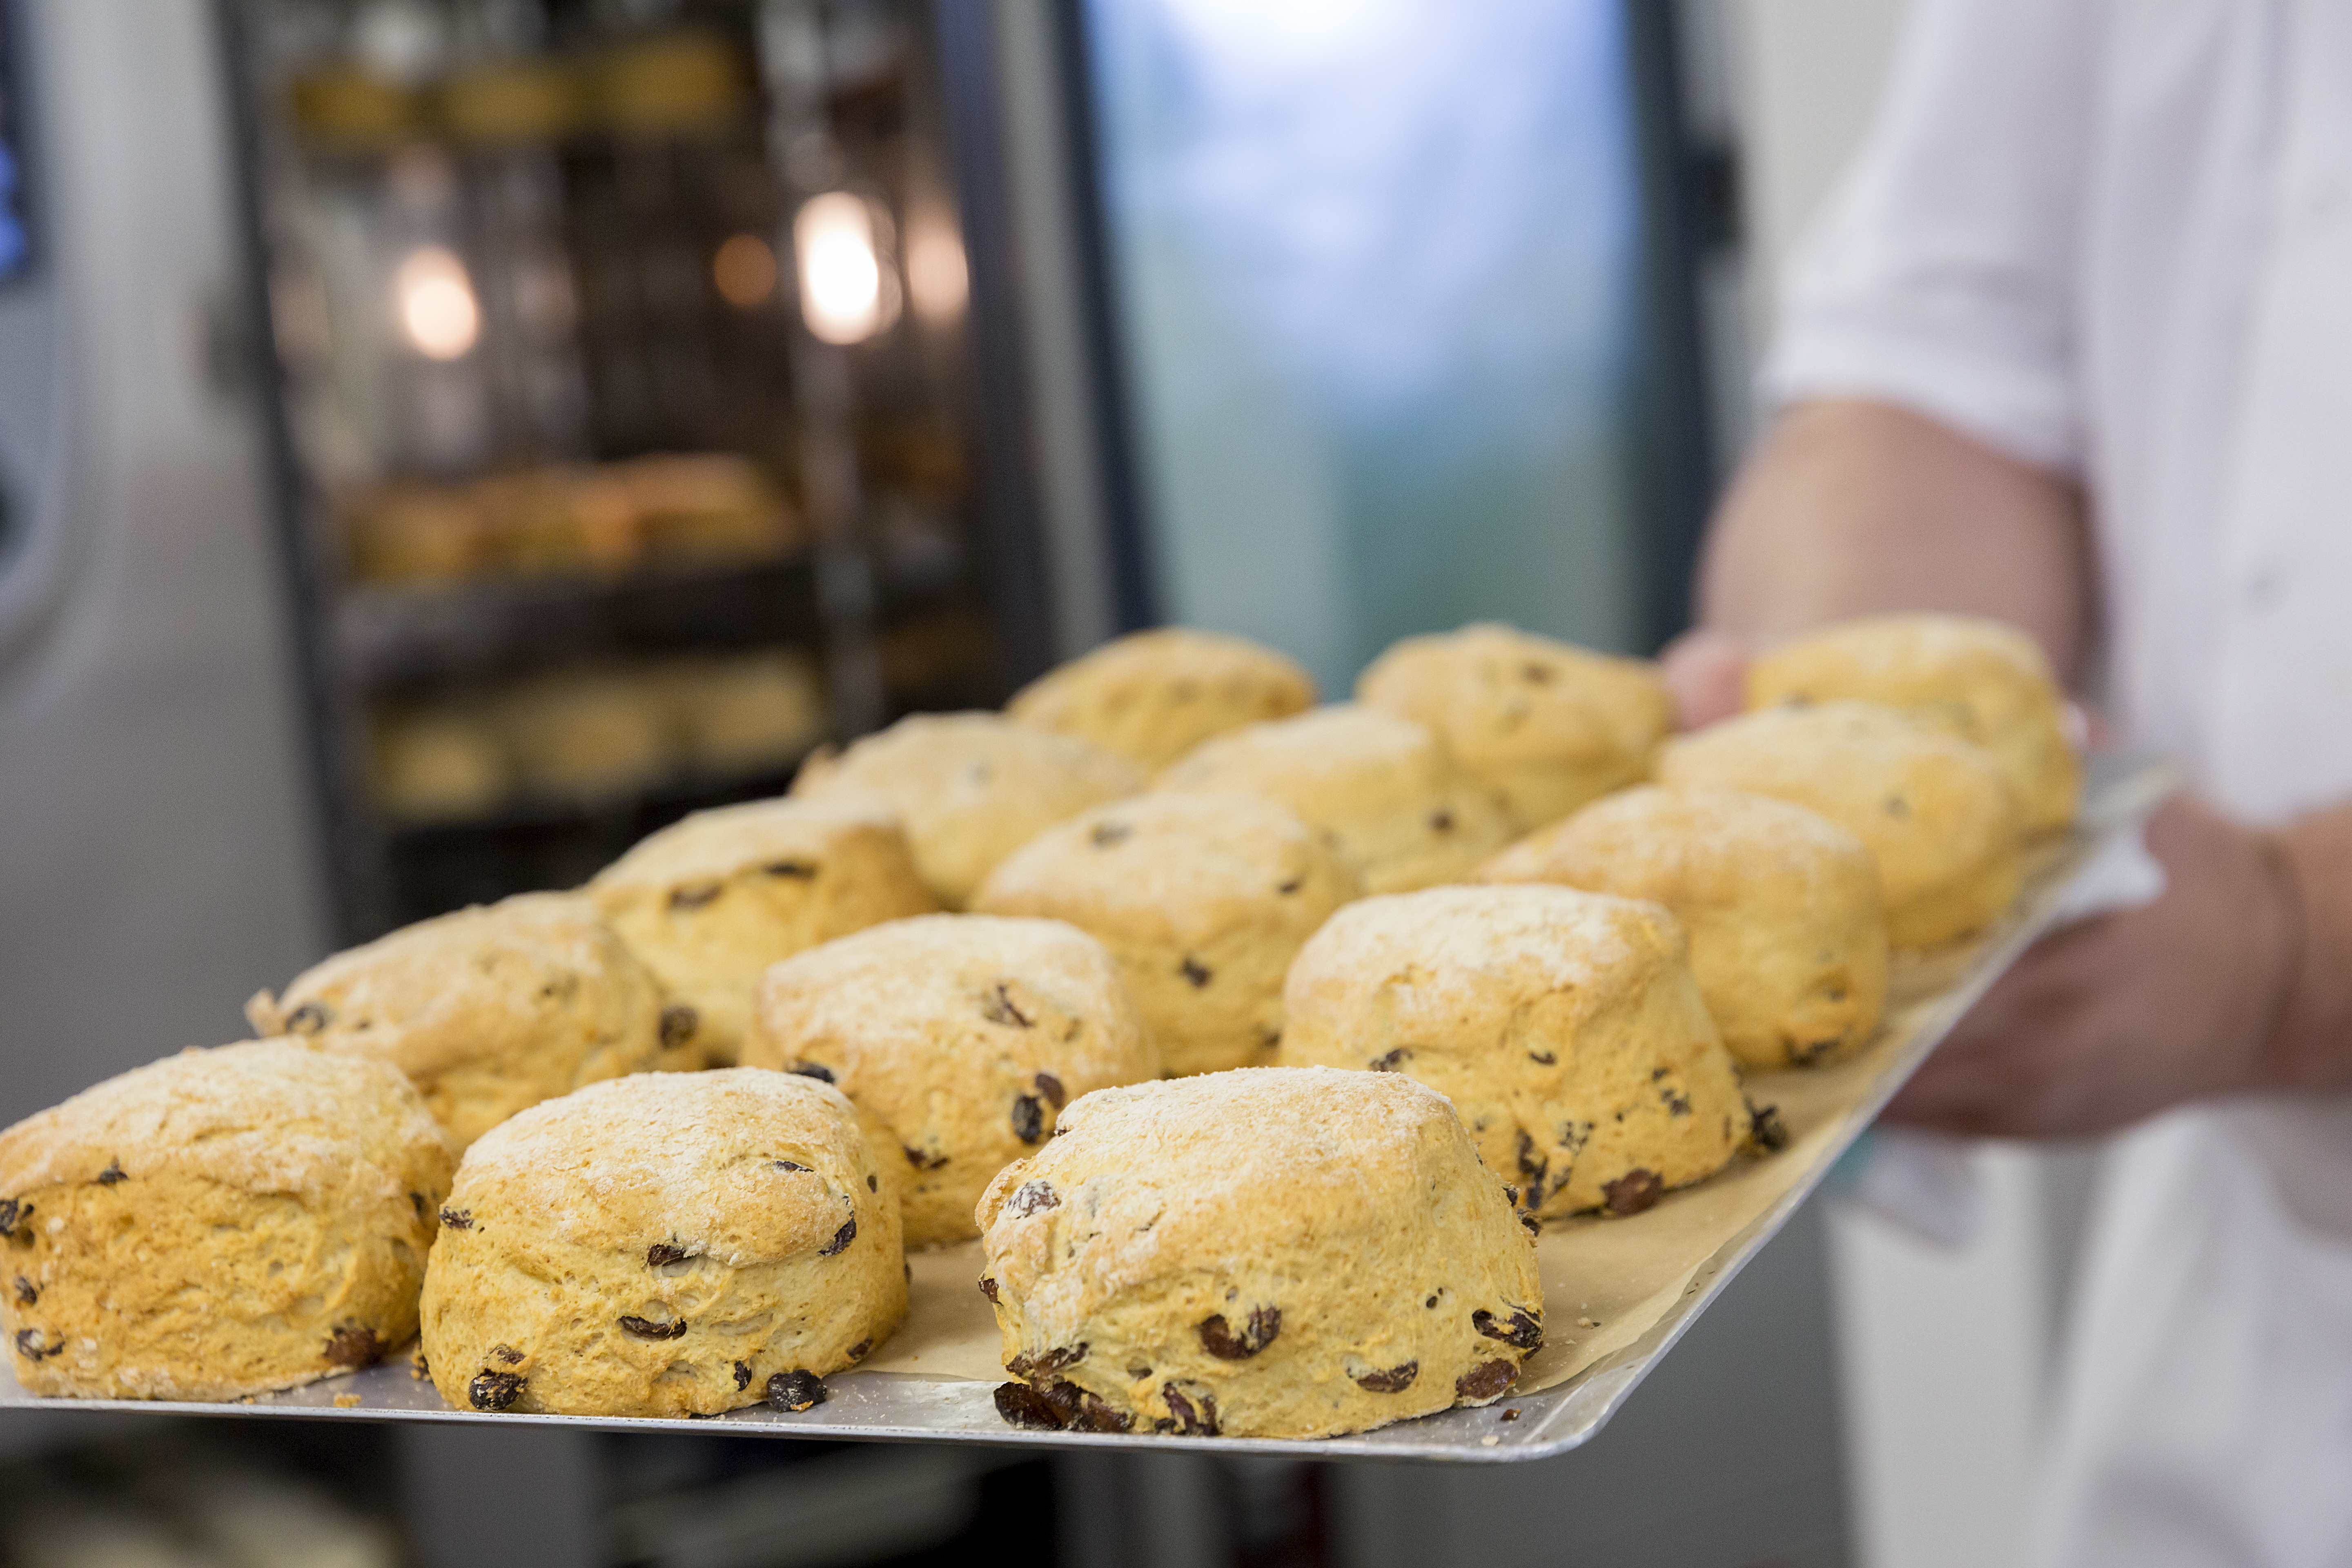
(2310, 1045)
(1851, 508)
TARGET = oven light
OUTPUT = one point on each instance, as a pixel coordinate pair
(936, 275)
(846, 295)
(436, 300)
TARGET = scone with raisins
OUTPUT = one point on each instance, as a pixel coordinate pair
(1262, 1253)
(1203, 898)
(664, 1244)
(963, 1035)
(1152, 696)
(218, 1224)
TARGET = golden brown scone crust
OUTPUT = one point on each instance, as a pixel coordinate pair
(710, 902)
(488, 1010)
(1264, 1253)
(1203, 898)
(1782, 907)
(1545, 724)
(218, 1224)
(1564, 1026)
(1399, 809)
(969, 787)
(1154, 696)
(1982, 680)
(1937, 812)
(663, 1244)
(963, 1035)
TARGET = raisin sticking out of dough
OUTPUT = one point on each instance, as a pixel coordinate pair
(1219, 1340)
(1512, 1414)
(1519, 1329)
(1634, 1191)
(998, 1007)
(1031, 1197)
(841, 1239)
(1676, 1104)
(662, 1253)
(1394, 1380)
(26, 1292)
(1021, 1405)
(1051, 1088)
(1532, 1166)
(494, 1390)
(1028, 1119)
(742, 1374)
(923, 1159)
(816, 1070)
(1290, 886)
(1535, 1226)
(646, 1329)
(873, 1182)
(796, 1390)
(11, 1211)
(1085, 1411)
(1389, 1061)
(1485, 1380)
(987, 1286)
(1032, 1368)
(693, 896)
(795, 870)
(354, 1345)
(1195, 972)
(1192, 1420)
(678, 1023)
(857, 1352)
(1765, 1128)
(308, 1018)
(1544, 1058)
(416, 1202)
(1535, 674)
(1106, 834)
(507, 1354)
(1441, 821)
(33, 1345)
(788, 1166)
(112, 1174)
(457, 1219)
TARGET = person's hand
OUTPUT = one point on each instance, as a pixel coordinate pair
(2131, 1013)
(1706, 671)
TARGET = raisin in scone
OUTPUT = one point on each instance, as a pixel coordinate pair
(1203, 898)
(490, 1010)
(1982, 680)
(1564, 1026)
(218, 1224)
(710, 901)
(963, 1035)
(664, 1244)
(1401, 810)
(1546, 725)
(1262, 1253)
(1154, 696)
(1782, 907)
(969, 787)
(1937, 812)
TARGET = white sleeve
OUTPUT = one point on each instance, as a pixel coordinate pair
(1941, 274)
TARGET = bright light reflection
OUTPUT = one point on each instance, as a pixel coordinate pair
(846, 295)
(936, 275)
(436, 299)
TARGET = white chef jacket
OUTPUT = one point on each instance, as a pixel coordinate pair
(2114, 238)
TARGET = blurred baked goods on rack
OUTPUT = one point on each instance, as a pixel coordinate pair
(218, 1224)
(710, 901)
(1152, 696)
(586, 735)
(740, 714)
(1203, 898)
(969, 787)
(1782, 907)
(1545, 724)
(664, 1244)
(1984, 681)
(1937, 811)
(964, 1036)
(1399, 809)
(439, 763)
(489, 1010)
(1264, 1253)
(1564, 1026)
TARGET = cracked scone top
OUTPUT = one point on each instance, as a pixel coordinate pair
(1203, 898)
(1564, 1026)
(1152, 696)
(1782, 907)
(1981, 679)
(1269, 1252)
(488, 1010)
(963, 1035)
(1545, 724)
(663, 1244)
(1399, 809)
(1938, 815)
(218, 1224)
(708, 902)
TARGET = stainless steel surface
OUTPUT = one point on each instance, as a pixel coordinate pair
(908, 1407)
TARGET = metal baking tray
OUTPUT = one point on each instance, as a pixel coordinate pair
(1600, 1375)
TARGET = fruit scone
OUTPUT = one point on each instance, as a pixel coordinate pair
(218, 1224)
(1564, 1026)
(665, 1245)
(1154, 696)
(964, 1036)
(1269, 1252)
